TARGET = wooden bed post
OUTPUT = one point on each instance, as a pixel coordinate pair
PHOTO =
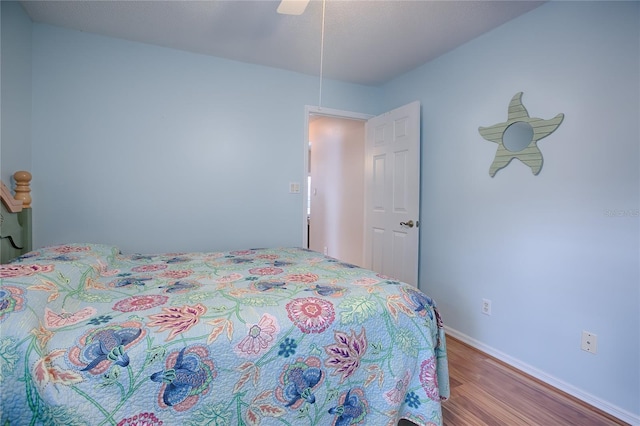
(16, 233)
(23, 190)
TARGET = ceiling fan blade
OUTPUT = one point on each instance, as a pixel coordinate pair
(292, 7)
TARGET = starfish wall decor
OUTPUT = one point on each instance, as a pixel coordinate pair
(518, 137)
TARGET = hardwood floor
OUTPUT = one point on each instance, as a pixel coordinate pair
(485, 391)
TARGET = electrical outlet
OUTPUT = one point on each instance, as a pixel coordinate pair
(589, 342)
(486, 306)
(326, 251)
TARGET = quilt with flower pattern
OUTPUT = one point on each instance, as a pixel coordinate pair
(89, 336)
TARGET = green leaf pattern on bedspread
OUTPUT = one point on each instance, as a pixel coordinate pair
(89, 336)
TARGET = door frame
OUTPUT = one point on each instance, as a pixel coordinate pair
(327, 112)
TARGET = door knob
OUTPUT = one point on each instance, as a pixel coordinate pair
(409, 224)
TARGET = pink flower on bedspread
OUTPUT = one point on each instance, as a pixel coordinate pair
(178, 320)
(140, 303)
(260, 337)
(149, 268)
(429, 378)
(385, 277)
(302, 278)
(43, 335)
(70, 249)
(242, 252)
(346, 353)
(142, 419)
(176, 275)
(267, 256)
(64, 318)
(311, 314)
(104, 271)
(45, 372)
(229, 278)
(397, 394)
(12, 271)
(366, 281)
(11, 300)
(268, 270)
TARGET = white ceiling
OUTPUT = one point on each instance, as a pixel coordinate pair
(366, 41)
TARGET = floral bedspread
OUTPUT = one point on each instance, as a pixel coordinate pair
(89, 336)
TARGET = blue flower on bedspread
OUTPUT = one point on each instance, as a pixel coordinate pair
(11, 300)
(349, 265)
(26, 256)
(298, 382)
(351, 408)
(187, 375)
(424, 305)
(177, 259)
(99, 348)
(240, 260)
(419, 300)
(287, 347)
(63, 258)
(127, 281)
(412, 400)
(182, 286)
(100, 319)
(269, 285)
(140, 257)
(327, 290)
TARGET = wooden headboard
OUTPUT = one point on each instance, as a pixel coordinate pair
(15, 218)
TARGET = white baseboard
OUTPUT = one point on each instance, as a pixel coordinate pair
(594, 401)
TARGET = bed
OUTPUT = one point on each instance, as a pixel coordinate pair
(270, 336)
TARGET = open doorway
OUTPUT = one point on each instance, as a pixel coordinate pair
(334, 192)
(391, 185)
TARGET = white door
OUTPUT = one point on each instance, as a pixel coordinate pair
(392, 193)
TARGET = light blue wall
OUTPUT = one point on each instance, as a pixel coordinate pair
(160, 150)
(556, 253)
(15, 90)
(154, 149)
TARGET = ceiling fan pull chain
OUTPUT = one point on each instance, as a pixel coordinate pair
(321, 54)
